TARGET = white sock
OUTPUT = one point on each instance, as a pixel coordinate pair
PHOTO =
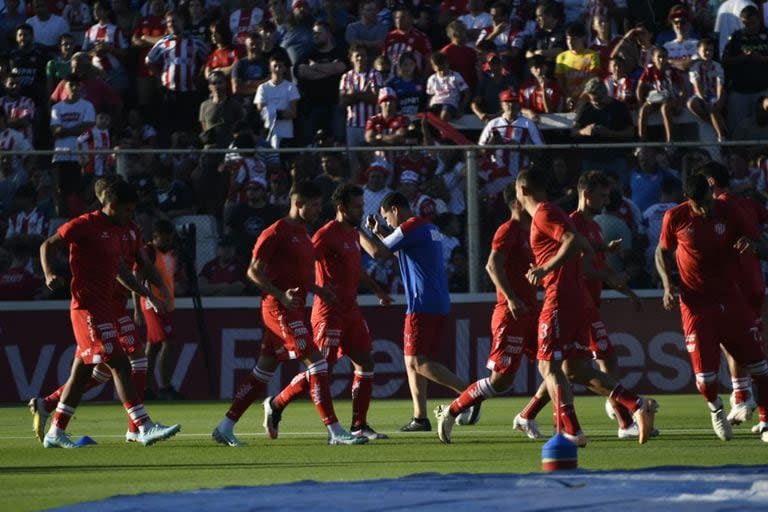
(226, 425)
(54, 430)
(336, 429)
(717, 404)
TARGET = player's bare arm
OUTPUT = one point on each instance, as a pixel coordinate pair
(47, 251)
(495, 269)
(663, 264)
(257, 274)
(126, 278)
(371, 284)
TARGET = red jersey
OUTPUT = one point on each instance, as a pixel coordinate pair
(217, 272)
(224, 57)
(397, 43)
(421, 162)
(130, 245)
(463, 60)
(511, 240)
(287, 250)
(563, 287)
(590, 230)
(704, 249)
(94, 257)
(532, 94)
(19, 284)
(671, 80)
(337, 249)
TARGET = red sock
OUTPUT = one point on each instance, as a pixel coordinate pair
(569, 420)
(742, 391)
(362, 390)
(707, 385)
(97, 379)
(136, 412)
(298, 385)
(320, 391)
(473, 395)
(139, 378)
(623, 416)
(626, 398)
(62, 416)
(760, 382)
(534, 406)
(251, 388)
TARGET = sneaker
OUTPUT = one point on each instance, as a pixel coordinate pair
(633, 431)
(609, 410)
(39, 417)
(469, 416)
(347, 438)
(720, 425)
(272, 417)
(60, 440)
(444, 423)
(227, 438)
(417, 425)
(132, 437)
(156, 432)
(366, 431)
(579, 439)
(644, 416)
(760, 427)
(528, 427)
(764, 433)
(741, 412)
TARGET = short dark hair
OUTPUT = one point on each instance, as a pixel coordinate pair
(696, 187)
(121, 192)
(344, 193)
(395, 199)
(749, 11)
(163, 227)
(306, 190)
(717, 172)
(591, 180)
(510, 194)
(534, 178)
(576, 30)
(25, 26)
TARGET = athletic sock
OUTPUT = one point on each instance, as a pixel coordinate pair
(626, 398)
(362, 391)
(320, 391)
(533, 407)
(98, 378)
(61, 417)
(139, 378)
(298, 385)
(707, 385)
(137, 414)
(569, 420)
(742, 389)
(474, 394)
(623, 416)
(251, 388)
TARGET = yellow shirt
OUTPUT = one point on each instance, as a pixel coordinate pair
(573, 69)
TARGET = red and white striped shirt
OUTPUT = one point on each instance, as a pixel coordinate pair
(355, 82)
(105, 33)
(532, 94)
(705, 75)
(397, 43)
(620, 89)
(670, 80)
(19, 108)
(520, 131)
(244, 21)
(247, 169)
(11, 140)
(180, 59)
(92, 139)
(32, 223)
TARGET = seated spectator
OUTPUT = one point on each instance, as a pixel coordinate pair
(375, 187)
(96, 138)
(107, 46)
(682, 49)
(19, 110)
(603, 39)
(174, 198)
(421, 161)
(485, 104)
(405, 38)
(422, 205)
(17, 279)
(389, 127)
(576, 65)
(475, 20)
(276, 101)
(461, 57)
(368, 32)
(245, 221)
(239, 168)
(708, 81)
(225, 52)
(508, 39)
(618, 83)
(660, 88)
(225, 274)
(646, 179)
(754, 127)
(635, 48)
(141, 131)
(26, 218)
(449, 93)
(408, 85)
(458, 271)
(548, 38)
(540, 94)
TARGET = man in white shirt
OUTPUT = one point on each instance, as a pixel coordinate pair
(48, 27)
(276, 102)
(728, 21)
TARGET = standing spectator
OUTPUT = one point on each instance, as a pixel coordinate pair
(92, 88)
(124, 16)
(10, 18)
(243, 21)
(270, 46)
(107, 46)
(225, 274)
(96, 138)
(635, 48)
(746, 66)
(755, 127)
(729, 20)
(618, 83)
(408, 85)
(248, 73)
(198, 22)
(78, 15)
(405, 38)
(508, 39)
(15, 169)
(368, 32)
(276, 102)
(246, 220)
(60, 65)
(576, 65)
(660, 87)
(708, 81)
(17, 282)
(177, 58)
(331, 176)
(375, 189)
(149, 30)
(486, 104)
(47, 27)
(602, 39)
(225, 53)
(449, 93)
(549, 38)
(682, 49)
(671, 192)
(27, 61)
(297, 39)
(27, 218)
(19, 110)
(319, 77)
(475, 20)
(69, 119)
(645, 181)
(174, 197)
(461, 58)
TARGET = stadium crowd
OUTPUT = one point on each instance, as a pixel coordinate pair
(253, 76)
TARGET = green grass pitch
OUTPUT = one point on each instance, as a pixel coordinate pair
(32, 477)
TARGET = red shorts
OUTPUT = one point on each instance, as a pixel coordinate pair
(562, 335)
(730, 324)
(127, 335)
(96, 337)
(287, 334)
(336, 335)
(599, 343)
(159, 327)
(511, 339)
(423, 333)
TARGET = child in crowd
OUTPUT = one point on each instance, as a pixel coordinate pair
(661, 87)
(449, 93)
(708, 81)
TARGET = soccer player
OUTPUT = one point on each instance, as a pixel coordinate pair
(701, 232)
(94, 243)
(514, 319)
(563, 353)
(283, 267)
(127, 337)
(338, 325)
(418, 244)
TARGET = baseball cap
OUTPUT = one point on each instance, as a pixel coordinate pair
(508, 95)
(387, 94)
(409, 177)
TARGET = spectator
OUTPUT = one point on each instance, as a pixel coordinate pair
(143, 133)
(297, 39)
(17, 281)
(660, 87)
(549, 38)
(614, 227)
(729, 20)
(617, 82)
(338, 17)
(198, 23)
(276, 102)
(27, 219)
(60, 66)
(475, 20)
(47, 27)
(96, 138)
(92, 88)
(683, 48)
(69, 119)
(245, 221)
(405, 38)
(330, 177)
(421, 204)
(107, 46)
(603, 39)
(746, 65)
(670, 196)
(461, 58)
(27, 61)
(12, 178)
(755, 127)
(508, 39)
(319, 77)
(219, 113)
(13, 140)
(486, 104)
(10, 18)
(278, 24)
(242, 22)
(123, 16)
(149, 30)
(646, 179)
(408, 85)
(635, 48)
(225, 274)
(708, 81)
(19, 110)
(248, 73)
(449, 93)
(174, 198)
(383, 65)
(389, 127)
(576, 65)
(375, 188)
(368, 32)
(421, 161)
(449, 227)
(225, 53)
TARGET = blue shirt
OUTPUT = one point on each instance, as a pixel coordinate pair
(419, 248)
(646, 187)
